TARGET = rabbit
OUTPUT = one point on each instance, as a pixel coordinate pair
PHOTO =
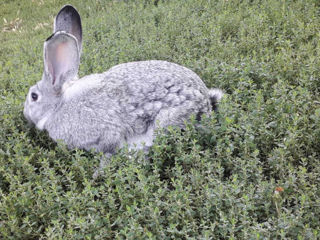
(106, 111)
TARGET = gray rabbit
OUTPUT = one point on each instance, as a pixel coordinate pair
(123, 105)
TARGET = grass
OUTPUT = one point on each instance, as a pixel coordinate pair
(251, 172)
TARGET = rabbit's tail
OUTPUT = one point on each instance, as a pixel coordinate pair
(215, 95)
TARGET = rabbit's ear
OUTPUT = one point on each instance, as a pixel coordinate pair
(69, 20)
(61, 59)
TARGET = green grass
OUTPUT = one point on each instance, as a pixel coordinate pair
(217, 182)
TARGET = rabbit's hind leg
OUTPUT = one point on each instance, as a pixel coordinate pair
(176, 116)
(143, 141)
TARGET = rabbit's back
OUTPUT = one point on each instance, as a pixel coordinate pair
(145, 89)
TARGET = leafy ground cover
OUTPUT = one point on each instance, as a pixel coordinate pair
(251, 172)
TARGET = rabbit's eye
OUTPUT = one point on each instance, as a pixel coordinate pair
(34, 96)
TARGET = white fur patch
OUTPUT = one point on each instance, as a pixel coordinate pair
(216, 92)
(76, 87)
(40, 124)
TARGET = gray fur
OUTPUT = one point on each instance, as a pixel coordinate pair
(123, 105)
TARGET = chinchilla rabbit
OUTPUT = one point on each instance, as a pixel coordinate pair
(107, 110)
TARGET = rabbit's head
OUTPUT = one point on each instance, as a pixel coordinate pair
(61, 63)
